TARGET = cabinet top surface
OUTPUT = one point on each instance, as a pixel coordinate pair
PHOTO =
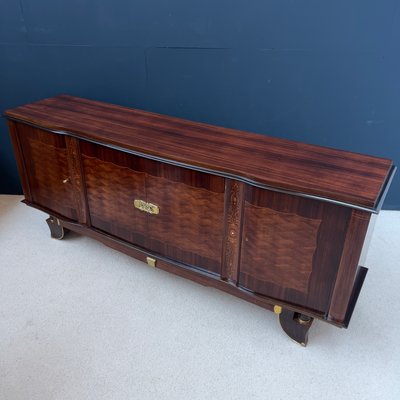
(283, 164)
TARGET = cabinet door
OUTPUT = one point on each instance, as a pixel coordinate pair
(46, 163)
(189, 226)
(114, 180)
(291, 247)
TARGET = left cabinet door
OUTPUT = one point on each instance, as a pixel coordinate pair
(44, 155)
(114, 180)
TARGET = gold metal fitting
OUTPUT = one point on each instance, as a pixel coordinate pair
(146, 207)
(151, 262)
(277, 309)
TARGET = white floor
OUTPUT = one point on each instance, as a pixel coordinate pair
(81, 321)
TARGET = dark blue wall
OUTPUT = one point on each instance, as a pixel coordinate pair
(316, 71)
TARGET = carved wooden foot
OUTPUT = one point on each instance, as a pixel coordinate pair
(294, 324)
(57, 231)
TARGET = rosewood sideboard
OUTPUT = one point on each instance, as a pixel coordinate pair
(275, 222)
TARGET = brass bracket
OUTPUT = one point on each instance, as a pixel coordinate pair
(151, 262)
(277, 309)
(146, 207)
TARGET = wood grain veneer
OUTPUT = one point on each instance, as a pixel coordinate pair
(304, 250)
(273, 238)
(48, 174)
(12, 126)
(234, 197)
(278, 223)
(281, 164)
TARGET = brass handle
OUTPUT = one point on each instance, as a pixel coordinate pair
(146, 207)
(66, 180)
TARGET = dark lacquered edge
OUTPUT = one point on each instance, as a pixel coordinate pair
(358, 283)
(211, 171)
(385, 189)
(293, 307)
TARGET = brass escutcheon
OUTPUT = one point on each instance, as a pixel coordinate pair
(146, 207)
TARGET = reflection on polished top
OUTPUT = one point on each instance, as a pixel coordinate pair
(335, 175)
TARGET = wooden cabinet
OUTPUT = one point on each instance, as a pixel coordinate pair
(277, 223)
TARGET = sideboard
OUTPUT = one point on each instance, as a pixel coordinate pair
(275, 222)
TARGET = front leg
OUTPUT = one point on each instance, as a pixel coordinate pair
(57, 231)
(294, 324)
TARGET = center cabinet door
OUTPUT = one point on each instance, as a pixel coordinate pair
(291, 247)
(188, 227)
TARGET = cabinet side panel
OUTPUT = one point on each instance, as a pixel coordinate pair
(291, 247)
(355, 236)
(19, 159)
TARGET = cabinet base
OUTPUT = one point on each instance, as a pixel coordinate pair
(295, 325)
(295, 321)
(57, 231)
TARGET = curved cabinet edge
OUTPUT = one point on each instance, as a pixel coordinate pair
(228, 175)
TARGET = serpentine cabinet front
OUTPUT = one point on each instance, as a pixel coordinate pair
(291, 253)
